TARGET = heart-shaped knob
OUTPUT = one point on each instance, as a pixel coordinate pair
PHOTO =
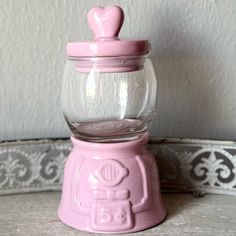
(106, 22)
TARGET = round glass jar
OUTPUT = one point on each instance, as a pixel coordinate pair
(108, 99)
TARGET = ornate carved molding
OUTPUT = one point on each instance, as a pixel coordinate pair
(184, 165)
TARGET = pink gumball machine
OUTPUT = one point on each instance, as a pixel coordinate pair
(111, 182)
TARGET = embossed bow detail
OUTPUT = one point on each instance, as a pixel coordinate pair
(111, 195)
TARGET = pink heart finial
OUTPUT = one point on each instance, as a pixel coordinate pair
(106, 22)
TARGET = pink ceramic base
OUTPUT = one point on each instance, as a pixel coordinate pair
(111, 188)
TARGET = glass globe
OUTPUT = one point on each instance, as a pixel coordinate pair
(108, 99)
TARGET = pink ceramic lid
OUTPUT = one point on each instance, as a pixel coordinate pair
(106, 23)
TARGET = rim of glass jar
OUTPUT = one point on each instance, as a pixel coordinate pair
(108, 63)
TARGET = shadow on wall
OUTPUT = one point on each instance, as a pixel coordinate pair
(185, 64)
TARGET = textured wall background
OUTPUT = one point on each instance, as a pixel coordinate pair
(193, 50)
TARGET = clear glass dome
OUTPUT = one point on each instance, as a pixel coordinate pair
(102, 104)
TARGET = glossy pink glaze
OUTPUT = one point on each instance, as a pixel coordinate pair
(106, 23)
(107, 48)
(111, 188)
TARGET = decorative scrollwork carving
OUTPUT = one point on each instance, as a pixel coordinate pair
(23, 169)
(194, 167)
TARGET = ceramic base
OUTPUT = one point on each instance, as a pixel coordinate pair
(111, 188)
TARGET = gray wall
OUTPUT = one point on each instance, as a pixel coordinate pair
(193, 50)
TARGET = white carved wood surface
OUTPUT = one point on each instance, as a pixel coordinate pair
(35, 214)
